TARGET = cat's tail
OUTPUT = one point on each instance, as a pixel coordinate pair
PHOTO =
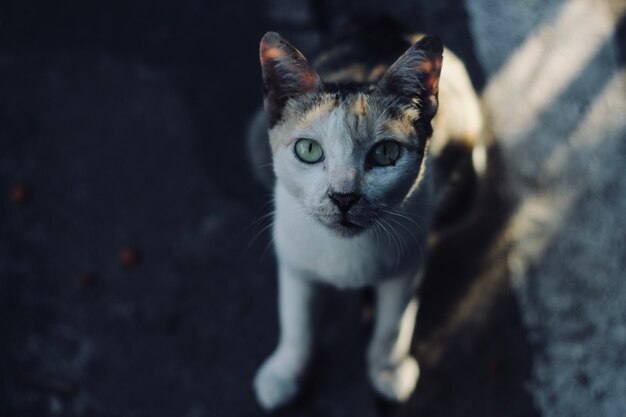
(259, 151)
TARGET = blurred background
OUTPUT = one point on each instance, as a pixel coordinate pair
(137, 276)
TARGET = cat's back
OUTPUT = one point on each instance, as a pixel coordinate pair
(362, 51)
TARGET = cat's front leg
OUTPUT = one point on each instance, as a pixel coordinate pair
(277, 381)
(392, 370)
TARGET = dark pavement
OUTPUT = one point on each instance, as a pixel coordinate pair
(122, 128)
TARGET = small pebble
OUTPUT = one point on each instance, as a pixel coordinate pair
(129, 257)
(19, 194)
(494, 366)
(367, 314)
(87, 280)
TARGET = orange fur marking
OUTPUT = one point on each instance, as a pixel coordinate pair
(363, 106)
(272, 53)
(359, 105)
(427, 66)
(377, 72)
(310, 78)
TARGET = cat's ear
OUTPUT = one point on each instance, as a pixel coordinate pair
(415, 75)
(286, 74)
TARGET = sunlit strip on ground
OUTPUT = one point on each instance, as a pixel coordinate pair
(546, 63)
(541, 213)
(606, 119)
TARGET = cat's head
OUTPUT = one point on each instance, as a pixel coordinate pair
(350, 152)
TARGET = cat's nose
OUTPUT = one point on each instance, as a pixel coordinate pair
(344, 200)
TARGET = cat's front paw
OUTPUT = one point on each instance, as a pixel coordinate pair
(274, 386)
(395, 382)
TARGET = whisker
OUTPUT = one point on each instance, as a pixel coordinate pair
(259, 233)
(266, 248)
(383, 229)
(405, 228)
(407, 218)
(394, 238)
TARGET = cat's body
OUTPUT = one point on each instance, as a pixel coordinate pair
(354, 193)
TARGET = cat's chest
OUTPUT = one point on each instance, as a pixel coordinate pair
(343, 264)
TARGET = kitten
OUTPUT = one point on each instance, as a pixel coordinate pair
(354, 193)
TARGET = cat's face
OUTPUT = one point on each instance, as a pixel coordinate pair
(347, 159)
(349, 154)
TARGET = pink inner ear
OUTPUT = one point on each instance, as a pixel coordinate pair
(433, 69)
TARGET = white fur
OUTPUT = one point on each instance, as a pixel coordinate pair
(309, 252)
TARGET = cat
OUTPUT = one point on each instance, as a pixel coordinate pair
(351, 138)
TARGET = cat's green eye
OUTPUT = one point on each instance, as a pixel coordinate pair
(309, 151)
(384, 154)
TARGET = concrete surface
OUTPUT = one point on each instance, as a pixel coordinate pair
(121, 127)
(557, 93)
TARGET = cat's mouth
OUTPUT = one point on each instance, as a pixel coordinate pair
(346, 227)
(343, 224)
(349, 225)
